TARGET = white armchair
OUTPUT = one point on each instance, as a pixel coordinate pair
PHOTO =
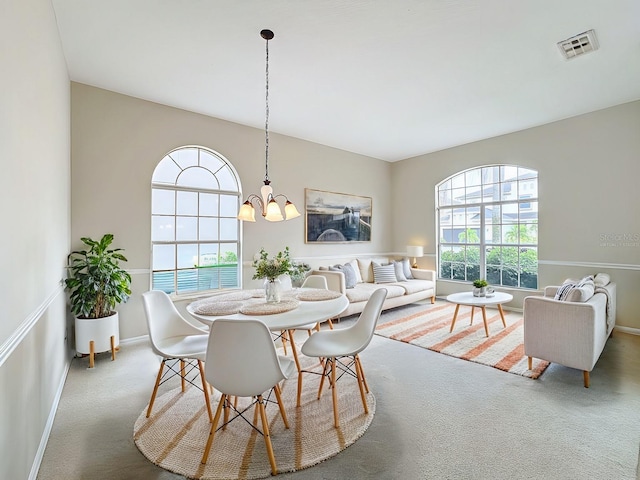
(572, 334)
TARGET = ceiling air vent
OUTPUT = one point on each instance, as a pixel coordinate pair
(579, 44)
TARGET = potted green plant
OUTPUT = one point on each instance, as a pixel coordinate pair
(480, 287)
(97, 284)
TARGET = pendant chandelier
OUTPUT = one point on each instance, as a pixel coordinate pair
(266, 201)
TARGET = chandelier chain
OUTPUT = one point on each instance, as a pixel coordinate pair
(266, 122)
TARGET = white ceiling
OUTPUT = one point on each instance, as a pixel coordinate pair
(390, 79)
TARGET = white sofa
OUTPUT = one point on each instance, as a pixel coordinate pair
(571, 333)
(421, 287)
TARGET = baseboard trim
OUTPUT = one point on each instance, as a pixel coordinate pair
(629, 330)
(37, 461)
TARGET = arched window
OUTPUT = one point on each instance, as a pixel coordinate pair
(195, 235)
(488, 226)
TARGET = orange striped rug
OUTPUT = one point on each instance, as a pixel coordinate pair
(428, 326)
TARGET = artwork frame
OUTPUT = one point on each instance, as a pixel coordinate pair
(332, 217)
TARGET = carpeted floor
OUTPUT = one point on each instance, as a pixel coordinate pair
(437, 417)
(428, 326)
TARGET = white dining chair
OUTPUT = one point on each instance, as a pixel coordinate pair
(181, 345)
(343, 346)
(311, 281)
(242, 361)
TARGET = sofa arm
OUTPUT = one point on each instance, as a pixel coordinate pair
(568, 333)
(421, 274)
(335, 280)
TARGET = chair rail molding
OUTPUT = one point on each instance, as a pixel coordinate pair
(7, 348)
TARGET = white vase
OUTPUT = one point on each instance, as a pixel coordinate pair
(273, 290)
(479, 292)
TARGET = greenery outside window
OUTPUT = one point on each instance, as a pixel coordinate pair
(195, 235)
(488, 226)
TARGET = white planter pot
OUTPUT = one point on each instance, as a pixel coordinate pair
(95, 335)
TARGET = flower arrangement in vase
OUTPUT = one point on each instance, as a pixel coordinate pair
(271, 268)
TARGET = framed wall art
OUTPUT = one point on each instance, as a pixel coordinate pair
(336, 217)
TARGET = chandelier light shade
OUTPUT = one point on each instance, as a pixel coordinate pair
(266, 201)
(415, 251)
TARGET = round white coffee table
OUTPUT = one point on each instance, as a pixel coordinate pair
(467, 298)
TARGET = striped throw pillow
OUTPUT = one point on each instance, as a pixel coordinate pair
(383, 273)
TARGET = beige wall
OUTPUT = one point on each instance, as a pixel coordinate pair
(118, 141)
(588, 185)
(34, 203)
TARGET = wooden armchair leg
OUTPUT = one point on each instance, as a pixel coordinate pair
(530, 363)
(585, 374)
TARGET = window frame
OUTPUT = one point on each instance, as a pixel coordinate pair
(198, 273)
(467, 221)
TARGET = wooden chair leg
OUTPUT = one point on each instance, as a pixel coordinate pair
(433, 299)
(364, 379)
(585, 374)
(92, 354)
(155, 388)
(334, 393)
(299, 394)
(182, 381)
(113, 347)
(205, 389)
(267, 437)
(330, 324)
(360, 379)
(283, 339)
(327, 363)
(277, 391)
(530, 363)
(212, 431)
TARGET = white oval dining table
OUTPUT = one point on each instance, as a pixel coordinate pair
(305, 313)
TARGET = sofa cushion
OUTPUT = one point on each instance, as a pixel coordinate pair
(383, 273)
(363, 291)
(399, 269)
(415, 286)
(349, 274)
(407, 268)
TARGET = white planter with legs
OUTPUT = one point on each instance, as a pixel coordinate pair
(96, 335)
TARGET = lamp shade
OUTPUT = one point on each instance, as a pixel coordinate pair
(274, 214)
(290, 210)
(247, 212)
(415, 250)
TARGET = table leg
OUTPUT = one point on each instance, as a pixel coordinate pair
(484, 319)
(294, 350)
(502, 315)
(455, 315)
(473, 309)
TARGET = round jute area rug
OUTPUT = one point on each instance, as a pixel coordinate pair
(175, 435)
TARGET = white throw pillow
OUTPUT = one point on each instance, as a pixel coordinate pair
(601, 279)
(356, 269)
(399, 269)
(366, 273)
(384, 273)
(407, 268)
